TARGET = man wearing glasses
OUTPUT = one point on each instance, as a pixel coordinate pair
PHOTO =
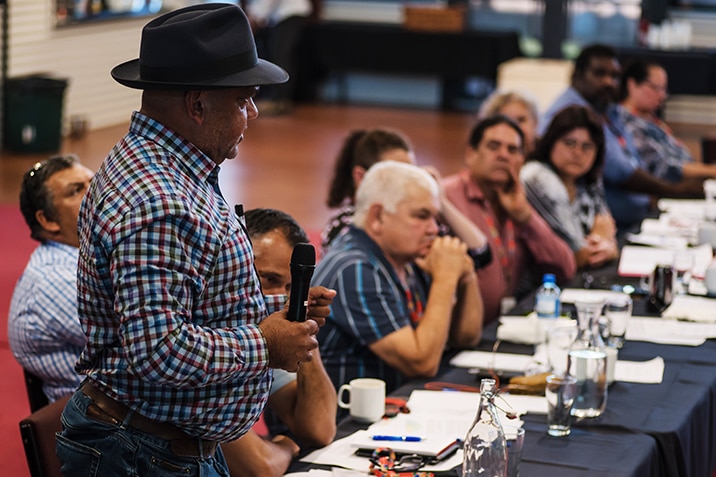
(43, 329)
(628, 185)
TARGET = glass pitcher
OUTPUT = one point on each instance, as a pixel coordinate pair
(587, 361)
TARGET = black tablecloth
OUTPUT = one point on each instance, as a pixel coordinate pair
(666, 429)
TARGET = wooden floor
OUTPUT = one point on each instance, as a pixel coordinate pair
(286, 162)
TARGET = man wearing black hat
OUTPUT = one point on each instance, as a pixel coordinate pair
(179, 345)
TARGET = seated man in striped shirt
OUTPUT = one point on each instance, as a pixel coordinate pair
(43, 328)
(403, 292)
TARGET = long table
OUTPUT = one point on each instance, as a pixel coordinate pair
(666, 429)
(334, 47)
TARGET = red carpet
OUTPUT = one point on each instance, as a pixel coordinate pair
(15, 249)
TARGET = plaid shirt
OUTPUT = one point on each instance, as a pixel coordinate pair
(167, 292)
(43, 330)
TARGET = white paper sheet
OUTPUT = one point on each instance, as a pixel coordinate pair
(572, 295)
(692, 308)
(637, 261)
(647, 372)
(684, 207)
(671, 332)
(517, 363)
(658, 240)
(522, 329)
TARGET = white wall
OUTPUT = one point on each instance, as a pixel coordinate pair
(83, 54)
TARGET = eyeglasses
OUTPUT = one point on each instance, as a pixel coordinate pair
(383, 463)
(656, 88)
(573, 144)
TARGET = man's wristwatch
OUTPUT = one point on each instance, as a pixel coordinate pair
(481, 256)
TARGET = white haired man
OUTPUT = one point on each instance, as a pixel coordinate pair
(403, 292)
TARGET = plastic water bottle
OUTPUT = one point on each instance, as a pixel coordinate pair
(547, 302)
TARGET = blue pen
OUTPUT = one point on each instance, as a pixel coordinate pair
(397, 438)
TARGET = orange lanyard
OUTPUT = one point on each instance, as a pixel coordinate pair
(506, 254)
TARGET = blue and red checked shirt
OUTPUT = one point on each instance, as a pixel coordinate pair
(167, 292)
(43, 330)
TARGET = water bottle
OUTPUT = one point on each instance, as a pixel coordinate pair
(587, 361)
(547, 303)
(485, 448)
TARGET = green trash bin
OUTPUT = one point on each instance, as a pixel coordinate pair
(33, 113)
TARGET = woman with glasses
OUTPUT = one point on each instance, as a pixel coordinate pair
(643, 92)
(564, 185)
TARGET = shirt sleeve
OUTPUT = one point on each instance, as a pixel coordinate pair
(620, 161)
(155, 269)
(549, 252)
(548, 196)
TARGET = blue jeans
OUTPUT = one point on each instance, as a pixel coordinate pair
(91, 448)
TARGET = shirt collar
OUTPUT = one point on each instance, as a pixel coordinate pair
(472, 191)
(189, 158)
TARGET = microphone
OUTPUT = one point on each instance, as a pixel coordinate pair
(303, 262)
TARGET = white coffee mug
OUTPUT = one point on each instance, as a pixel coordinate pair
(367, 399)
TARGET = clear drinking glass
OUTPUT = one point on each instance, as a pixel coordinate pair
(617, 311)
(560, 392)
(560, 336)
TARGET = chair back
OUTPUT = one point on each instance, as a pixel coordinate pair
(35, 394)
(38, 437)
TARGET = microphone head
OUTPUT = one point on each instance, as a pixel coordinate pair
(303, 254)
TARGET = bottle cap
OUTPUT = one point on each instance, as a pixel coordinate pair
(549, 278)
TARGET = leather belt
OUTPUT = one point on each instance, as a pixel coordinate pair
(105, 409)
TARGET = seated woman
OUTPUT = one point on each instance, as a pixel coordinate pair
(360, 151)
(564, 185)
(642, 95)
(520, 108)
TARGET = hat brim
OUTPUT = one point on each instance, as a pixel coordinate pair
(264, 73)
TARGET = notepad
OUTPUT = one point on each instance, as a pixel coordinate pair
(437, 447)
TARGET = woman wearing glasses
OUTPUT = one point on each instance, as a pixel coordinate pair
(642, 95)
(564, 185)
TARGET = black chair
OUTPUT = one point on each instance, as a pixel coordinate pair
(35, 394)
(38, 437)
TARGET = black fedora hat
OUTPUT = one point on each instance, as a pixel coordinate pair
(203, 46)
